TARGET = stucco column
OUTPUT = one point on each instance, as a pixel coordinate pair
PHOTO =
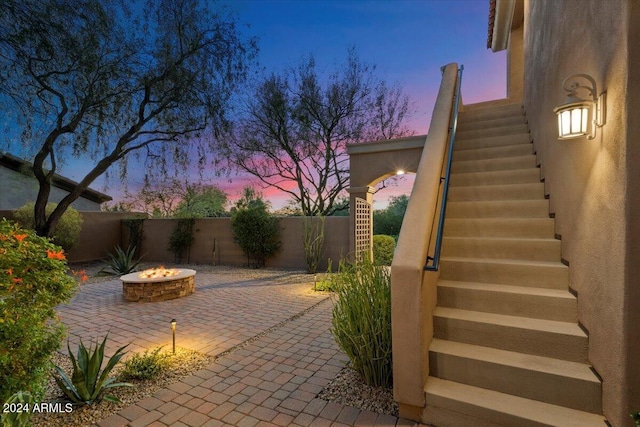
(365, 193)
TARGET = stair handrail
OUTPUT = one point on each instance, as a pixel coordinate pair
(435, 259)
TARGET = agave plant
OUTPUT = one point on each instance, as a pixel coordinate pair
(87, 384)
(121, 262)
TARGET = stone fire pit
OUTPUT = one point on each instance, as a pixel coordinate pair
(158, 284)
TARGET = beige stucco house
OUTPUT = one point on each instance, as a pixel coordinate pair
(531, 317)
(19, 187)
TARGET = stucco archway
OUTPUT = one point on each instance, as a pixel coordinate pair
(369, 163)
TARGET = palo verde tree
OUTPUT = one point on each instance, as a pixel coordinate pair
(106, 80)
(296, 126)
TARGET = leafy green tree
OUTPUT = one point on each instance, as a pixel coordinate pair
(388, 221)
(254, 228)
(296, 125)
(66, 232)
(108, 80)
(201, 201)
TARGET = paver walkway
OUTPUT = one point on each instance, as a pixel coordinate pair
(273, 380)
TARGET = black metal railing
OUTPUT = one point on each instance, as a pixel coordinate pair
(433, 262)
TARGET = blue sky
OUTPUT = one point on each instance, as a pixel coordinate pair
(408, 40)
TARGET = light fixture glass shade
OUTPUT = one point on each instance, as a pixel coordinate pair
(573, 119)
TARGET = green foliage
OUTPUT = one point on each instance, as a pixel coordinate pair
(181, 237)
(33, 281)
(255, 229)
(136, 229)
(64, 234)
(636, 418)
(361, 323)
(313, 242)
(383, 249)
(120, 263)
(87, 384)
(388, 221)
(18, 418)
(145, 366)
(202, 202)
(326, 283)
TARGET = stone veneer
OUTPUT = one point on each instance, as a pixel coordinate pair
(154, 291)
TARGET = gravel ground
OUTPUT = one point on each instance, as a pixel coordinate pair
(346, 388)
(184, 363)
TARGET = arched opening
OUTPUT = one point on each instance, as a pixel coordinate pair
(371, 163)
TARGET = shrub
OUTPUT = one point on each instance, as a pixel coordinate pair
(383, 249)
(87, 384)
(181, 238)
(313, 242)
(636, 418)
(361, 323)
(33, 281)
(121, 263)
(18, 418)
(255, 229)
(64, 234)
(145, 366)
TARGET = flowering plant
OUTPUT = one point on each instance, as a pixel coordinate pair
(33, 281)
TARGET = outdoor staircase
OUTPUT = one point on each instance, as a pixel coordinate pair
(507, 347)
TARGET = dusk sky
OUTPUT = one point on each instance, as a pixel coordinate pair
(408, 40)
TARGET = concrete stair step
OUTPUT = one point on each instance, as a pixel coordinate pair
(492, 131)
(471, 125)
(539, 337)
(498, 209)
(452, 404)
(528, 249)
(518, 176)
(499, 164)
(534, 191)
(558, 382)
(537, 274)
(538, 303)
(491, 113)
(492, 141)
(494, 152)
(541, 228)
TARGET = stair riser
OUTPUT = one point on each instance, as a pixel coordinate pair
(542, 228)
(500, 164)
(499, 209)
(536, 276)
(494, 141)
(492, 131)
(494, 153)
(523, 176)
(464, 126)
(510, 304)
(501, 112)
(528, 341)
(497, 192)
(522, 249)
(435, 415)
(531, 384)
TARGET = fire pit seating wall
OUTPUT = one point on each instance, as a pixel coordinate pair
(158, 284)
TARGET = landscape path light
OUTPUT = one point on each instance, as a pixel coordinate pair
(574, 113)
(173, 331)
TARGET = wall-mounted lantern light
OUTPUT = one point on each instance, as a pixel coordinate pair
(400, 172)
(173, 332)
(573, 115)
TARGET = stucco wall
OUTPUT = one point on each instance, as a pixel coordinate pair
(18, 189)
(157, 231)
(593, 187)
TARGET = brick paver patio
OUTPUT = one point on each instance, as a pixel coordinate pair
(271, 381)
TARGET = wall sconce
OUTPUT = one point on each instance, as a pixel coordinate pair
(173, 332)
(573, 115)
(400, 172)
